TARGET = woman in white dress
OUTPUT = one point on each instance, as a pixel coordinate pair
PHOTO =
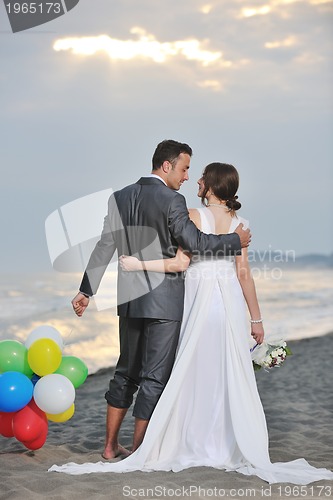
(208, 411)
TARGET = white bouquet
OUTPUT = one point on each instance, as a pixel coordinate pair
(269, 356)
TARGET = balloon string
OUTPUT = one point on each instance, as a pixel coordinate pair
(67, 337)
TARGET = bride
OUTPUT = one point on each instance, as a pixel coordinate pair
(210, 407)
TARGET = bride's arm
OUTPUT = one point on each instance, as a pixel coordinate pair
(249, 291)
(180, 262)
(175, 264)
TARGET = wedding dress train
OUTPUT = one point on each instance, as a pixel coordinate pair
(210, 413)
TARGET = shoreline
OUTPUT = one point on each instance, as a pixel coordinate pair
(105, 370)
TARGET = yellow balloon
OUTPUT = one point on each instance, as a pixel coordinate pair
(62, 417)
(44, 356)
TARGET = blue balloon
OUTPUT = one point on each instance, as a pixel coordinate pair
(35, 378)
(16, 391)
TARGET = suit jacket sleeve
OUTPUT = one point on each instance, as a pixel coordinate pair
(190, 238)
(99, 259)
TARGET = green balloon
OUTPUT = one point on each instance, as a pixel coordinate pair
(74, 369)
(14, 358)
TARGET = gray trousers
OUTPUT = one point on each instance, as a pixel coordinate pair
(147, 353)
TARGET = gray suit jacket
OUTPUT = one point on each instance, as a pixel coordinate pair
(149, 220)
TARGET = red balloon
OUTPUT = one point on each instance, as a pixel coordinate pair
(37, 443)
(29, 423)
(6, 424)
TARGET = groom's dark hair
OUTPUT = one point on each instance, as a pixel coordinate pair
(169, 150)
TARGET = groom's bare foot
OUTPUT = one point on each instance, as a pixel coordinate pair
(114, 452)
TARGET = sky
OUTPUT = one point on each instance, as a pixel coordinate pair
(86, 98)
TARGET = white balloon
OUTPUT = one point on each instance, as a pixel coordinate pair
(54, 393)
(44, 332)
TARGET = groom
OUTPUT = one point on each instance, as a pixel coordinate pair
(148, 219)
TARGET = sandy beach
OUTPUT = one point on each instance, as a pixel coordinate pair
(298, 403)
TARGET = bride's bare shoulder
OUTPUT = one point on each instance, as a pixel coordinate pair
(194, 215)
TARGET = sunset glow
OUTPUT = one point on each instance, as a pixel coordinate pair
(255, 11)
(145, 46)
(287, 42)
(206, 9)
(210, 84)
(275, 5)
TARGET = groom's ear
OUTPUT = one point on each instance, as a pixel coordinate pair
(166, 166)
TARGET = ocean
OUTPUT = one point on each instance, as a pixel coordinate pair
(296, 303)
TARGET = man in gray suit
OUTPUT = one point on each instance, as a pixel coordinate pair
(148, 219)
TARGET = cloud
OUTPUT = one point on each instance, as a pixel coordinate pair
(255, 11)
(276, 5)
(210, 84)
(286, 42)
(146, 46)
(309, 58)
(206, 9)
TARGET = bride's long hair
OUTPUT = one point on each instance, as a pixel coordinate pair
(222, 180)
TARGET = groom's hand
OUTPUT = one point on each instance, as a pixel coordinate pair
(244, 234)
(80, 303)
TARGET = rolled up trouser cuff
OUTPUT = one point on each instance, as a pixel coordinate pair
(149, 393)
(121, 391)
(145, 411)
(116, 403)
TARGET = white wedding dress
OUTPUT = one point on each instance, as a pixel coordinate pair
(210, 413)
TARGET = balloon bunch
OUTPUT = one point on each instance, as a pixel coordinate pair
(37, 384)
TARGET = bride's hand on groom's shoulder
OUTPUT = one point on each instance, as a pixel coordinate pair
(244, 235)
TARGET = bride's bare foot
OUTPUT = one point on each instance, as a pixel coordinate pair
(115, 452)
